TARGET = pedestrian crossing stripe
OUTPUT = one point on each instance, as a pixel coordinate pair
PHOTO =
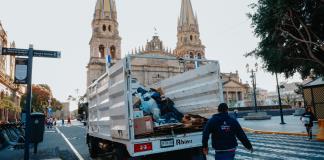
(303, 145)
(278, 147)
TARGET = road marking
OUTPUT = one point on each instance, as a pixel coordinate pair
(80, 126)
(71, 146)
(49, 131)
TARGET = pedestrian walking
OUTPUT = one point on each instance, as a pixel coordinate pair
(307, 118)
(49, 122)
(69, 121)
(62, 121)
(224, 131)
(54, 121)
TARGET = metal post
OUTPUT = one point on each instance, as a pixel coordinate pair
(254, 90)
(28, 101)
(279, 98)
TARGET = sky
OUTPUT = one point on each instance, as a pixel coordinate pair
(65, 25)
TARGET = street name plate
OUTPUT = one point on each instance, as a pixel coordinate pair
(48, 54)
(14, 52)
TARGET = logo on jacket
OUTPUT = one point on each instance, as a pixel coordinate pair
(225, 128)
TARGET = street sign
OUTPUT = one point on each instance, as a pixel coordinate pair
(24, 52)
(48, 54)
(23, 76)
(14, 52)
(21, 70)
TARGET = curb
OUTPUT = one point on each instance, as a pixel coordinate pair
(273, 132)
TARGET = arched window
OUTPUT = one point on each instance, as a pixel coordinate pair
(102, 51)
(113, 52)
(109, 28)
(104, 28)
(191, 55)
(191, 37)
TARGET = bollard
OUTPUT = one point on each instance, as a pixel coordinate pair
(320, 135)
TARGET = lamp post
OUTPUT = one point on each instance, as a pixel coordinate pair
(253, 77)
(183, 62)
(279, 99)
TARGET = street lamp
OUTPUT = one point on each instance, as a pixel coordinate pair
(253, 77)
(183, 62)
(279, 98)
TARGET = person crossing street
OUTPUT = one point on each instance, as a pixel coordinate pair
(224, 131)
(307, 118)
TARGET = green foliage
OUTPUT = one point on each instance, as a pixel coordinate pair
(291, 34)
(7, 103)
(40, 95)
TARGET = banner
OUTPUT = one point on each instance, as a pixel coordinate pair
(21, 70)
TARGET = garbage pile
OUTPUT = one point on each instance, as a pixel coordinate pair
(152, 102)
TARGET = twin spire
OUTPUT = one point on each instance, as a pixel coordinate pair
(105, 9)
(187, 16)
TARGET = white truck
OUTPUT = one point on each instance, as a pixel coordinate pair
(110, 129)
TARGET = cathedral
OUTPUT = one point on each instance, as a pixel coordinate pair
(105, 39)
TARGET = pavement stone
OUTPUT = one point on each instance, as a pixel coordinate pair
(293, 125)
(279, 147)
(52, 147)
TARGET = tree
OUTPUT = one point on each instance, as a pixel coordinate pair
(291, 34)
(41, 94)
(8, 105)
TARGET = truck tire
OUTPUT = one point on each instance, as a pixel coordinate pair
(93, 147)
(120, 153)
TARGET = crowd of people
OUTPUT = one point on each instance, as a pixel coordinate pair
(52, 121)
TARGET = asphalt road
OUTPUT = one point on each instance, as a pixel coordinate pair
(274, 147)
(69, 143)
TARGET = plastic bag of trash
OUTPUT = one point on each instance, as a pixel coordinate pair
(149, 106)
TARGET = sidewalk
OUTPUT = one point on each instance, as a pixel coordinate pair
(53, 147)
(293, 126)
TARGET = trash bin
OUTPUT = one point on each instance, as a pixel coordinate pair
(37, 127)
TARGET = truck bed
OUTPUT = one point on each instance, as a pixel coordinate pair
(194, 91)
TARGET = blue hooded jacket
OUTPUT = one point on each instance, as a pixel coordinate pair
(224, 130)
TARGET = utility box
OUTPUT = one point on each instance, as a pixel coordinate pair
(37, 127)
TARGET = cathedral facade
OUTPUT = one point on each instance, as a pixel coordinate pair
(106, 40)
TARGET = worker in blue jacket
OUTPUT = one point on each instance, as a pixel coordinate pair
(224, 131)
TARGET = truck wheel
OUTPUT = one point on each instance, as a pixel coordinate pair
(93, 147)
(119, 153)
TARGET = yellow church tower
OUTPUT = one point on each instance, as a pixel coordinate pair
(105, 39)
(189, 44)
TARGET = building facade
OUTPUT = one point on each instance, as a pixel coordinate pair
(146, 72)
(235, 91)
(149, 71)
(10, 93)
(105, 39)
